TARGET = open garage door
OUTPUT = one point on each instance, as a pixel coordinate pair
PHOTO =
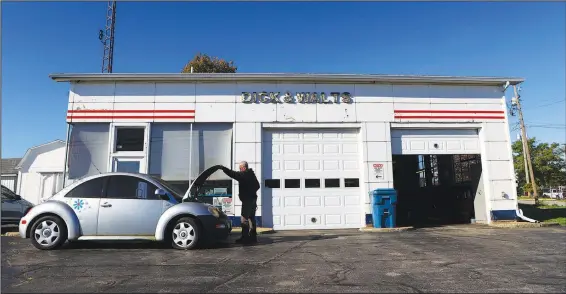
(435, 141)
(437, 174)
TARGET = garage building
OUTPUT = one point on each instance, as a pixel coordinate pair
(319, 143)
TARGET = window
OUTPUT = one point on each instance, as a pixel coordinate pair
(434, 170)
(126, 187)
(273, 183)
(312, 183)
(292, 183)
(462, 166)
(90, 189)
(351, 183)
(332, 183)
(422, 171)
(129, 139)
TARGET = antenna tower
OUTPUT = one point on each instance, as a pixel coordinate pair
(106, 36)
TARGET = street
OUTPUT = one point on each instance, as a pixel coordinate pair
(468, 258)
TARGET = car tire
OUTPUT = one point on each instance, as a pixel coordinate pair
(185, 234)
(48, 233)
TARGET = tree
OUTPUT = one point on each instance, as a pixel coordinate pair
(203, 63)
(549, 164)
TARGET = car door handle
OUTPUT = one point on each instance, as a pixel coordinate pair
(106, 205)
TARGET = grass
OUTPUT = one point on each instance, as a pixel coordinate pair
(545, 213)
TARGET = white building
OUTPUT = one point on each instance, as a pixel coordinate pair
(40, 172)
(318, 142)
(9, 174)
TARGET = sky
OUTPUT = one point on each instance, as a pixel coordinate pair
(479, 39)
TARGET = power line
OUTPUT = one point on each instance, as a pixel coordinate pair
(548, 104)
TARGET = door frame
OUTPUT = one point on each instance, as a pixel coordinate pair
(117, 155)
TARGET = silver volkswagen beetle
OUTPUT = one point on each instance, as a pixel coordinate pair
(126, 206)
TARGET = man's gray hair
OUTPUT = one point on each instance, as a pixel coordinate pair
(244, 163)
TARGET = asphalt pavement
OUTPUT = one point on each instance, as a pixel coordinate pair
(468, 258)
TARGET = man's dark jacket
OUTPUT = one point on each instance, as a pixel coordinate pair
(248, 183)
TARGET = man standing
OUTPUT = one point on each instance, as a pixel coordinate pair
(248, 186)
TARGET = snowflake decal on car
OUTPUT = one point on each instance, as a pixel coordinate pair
(78, 205)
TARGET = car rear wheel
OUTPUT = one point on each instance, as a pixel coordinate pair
(185, 234)
(48, 233)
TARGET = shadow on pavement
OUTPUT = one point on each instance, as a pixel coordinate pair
(230, 243)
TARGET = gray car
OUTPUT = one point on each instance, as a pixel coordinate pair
(13, 207)
(126, 206)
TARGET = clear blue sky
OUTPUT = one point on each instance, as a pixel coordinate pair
(486, 39)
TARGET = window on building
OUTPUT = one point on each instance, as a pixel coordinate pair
(422, 171)
(351, 183)
(129, 139)
(176, 158)
(332, 183)
(273, 183)
(292, 183)
(89, 189)
(88, 150)
(434, 170)
(312, 183)
(127, 187)
(462, 166)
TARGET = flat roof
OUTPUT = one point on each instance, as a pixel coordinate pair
(283, 77)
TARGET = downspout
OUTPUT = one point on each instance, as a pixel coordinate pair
(190, 154)
(66, 155)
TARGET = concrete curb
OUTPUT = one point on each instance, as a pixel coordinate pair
(385, 230)
(522, 225)
(260, 231)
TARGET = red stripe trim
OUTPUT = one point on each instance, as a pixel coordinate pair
(448, 111)
(131, 117)
(131, 111)
(450, 117)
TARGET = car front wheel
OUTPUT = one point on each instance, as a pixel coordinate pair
(48, 232)
(185, 234)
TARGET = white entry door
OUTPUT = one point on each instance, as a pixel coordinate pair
(311, 179)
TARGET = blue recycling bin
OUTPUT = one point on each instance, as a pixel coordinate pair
(383, 204)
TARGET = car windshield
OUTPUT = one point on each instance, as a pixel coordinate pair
(176, 192)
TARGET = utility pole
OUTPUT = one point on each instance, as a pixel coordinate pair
(527, 177)
(526, 149)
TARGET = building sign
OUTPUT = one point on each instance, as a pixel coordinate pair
(299, 97)
(378, 170)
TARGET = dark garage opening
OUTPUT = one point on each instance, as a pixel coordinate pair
(436, 189)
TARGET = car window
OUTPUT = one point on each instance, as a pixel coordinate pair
(7, 193)
(89, 189)
(128, 187)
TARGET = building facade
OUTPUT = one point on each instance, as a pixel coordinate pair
(318, 143)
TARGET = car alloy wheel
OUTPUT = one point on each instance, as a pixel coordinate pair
(48, 232)
(185, 234)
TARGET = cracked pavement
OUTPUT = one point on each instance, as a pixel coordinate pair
(446, 259)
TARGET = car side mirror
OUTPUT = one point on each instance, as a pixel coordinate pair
(162, 194)
(17, 197)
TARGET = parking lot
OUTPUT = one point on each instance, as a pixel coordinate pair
(447, 259)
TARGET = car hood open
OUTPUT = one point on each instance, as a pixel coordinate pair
(197, 183)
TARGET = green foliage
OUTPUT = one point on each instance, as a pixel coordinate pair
(549, 164)
(203, 63)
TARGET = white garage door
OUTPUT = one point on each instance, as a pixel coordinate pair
(312, 179)
(435, 141)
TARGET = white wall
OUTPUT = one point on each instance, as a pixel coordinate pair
(9, 181)
(375, 107)
(36, 182)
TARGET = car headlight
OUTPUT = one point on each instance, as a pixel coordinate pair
(214, 211)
